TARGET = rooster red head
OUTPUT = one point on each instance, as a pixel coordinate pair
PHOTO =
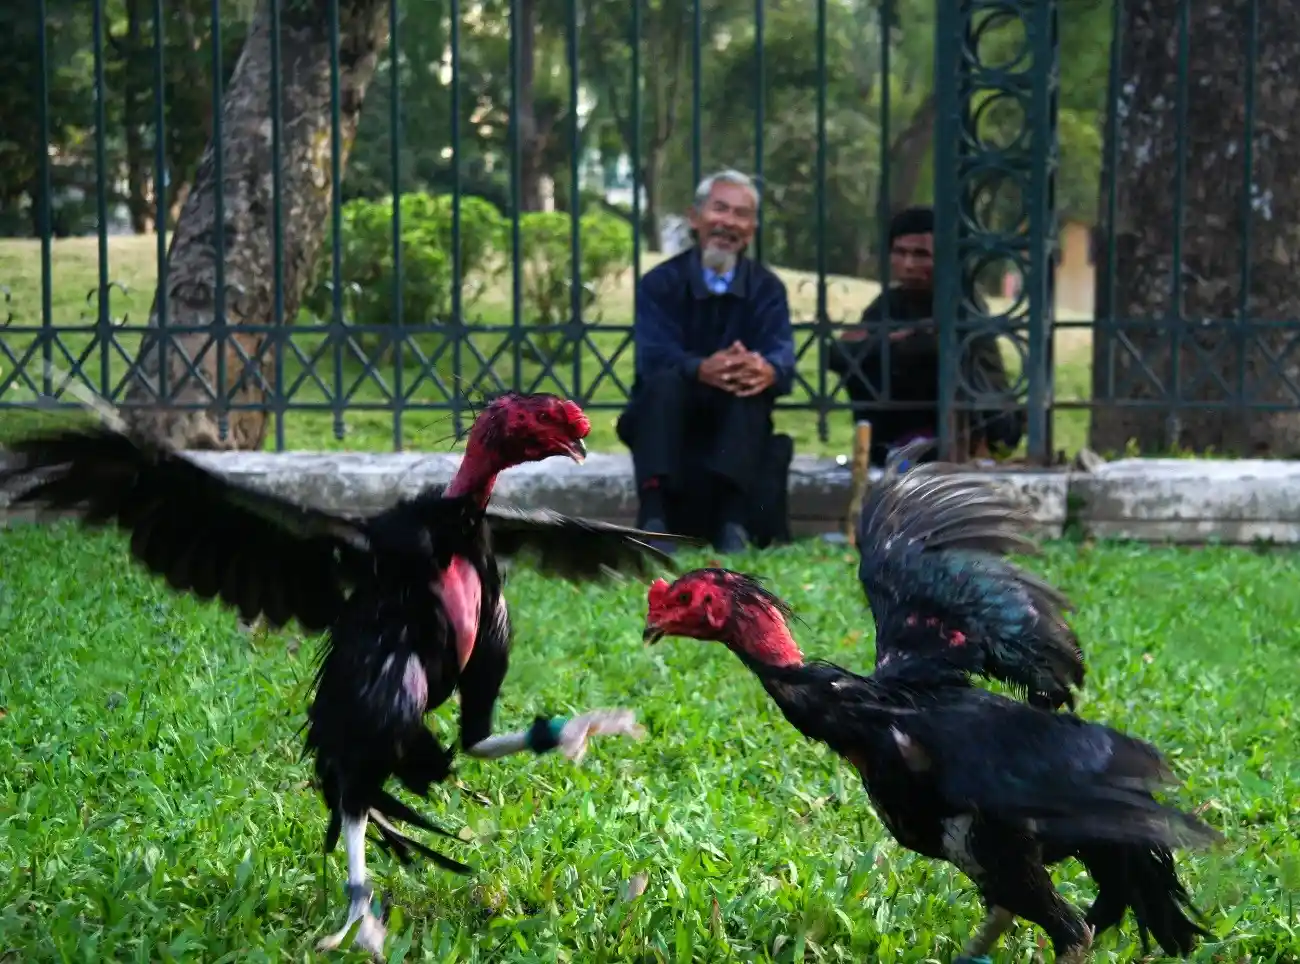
(516, 428)
(723, 606)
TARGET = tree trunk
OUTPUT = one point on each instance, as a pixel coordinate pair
(1212, 360)
(248, 218)
(907, 155)
(651, 174)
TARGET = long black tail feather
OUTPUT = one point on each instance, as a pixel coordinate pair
(384, 808)
(1146, 880)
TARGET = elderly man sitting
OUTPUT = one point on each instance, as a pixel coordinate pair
(714, 350)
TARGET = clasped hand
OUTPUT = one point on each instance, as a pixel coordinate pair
(737, 370)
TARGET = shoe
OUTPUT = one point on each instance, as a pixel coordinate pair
(732, 538)
(655, 524)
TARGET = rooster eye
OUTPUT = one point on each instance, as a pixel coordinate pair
(683, 597)
(543, 416)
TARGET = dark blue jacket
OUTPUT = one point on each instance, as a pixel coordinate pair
(679, 321)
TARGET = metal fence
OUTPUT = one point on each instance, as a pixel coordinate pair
(395, 180)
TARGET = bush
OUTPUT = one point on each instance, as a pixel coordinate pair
(427, 277)
(605, 251)
(427, 269)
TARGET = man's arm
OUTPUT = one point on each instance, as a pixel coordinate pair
(657, 334)
(774, 337)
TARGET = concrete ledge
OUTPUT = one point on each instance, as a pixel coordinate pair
(1152, 500)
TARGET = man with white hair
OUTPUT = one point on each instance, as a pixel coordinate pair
(714, 350)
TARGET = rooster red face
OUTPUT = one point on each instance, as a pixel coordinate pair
(529, 428)
(697, 605)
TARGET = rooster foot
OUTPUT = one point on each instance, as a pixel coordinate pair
(976, 951)
(1080, 952)
(371, 931)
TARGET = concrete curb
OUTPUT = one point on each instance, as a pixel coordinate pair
(1151, 500)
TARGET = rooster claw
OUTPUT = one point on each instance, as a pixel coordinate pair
(616, 722)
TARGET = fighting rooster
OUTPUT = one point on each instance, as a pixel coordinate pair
(410, 599)
(931, 544)
(996, 787)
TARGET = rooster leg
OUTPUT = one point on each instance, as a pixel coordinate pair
(1080, 952)
(568, 736)
(997, 922)
(371, 933)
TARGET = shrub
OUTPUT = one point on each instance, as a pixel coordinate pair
(427, 270)
(605, 243)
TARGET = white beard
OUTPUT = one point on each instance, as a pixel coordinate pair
(716, 259)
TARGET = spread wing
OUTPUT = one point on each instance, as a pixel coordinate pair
(932, 547)
(575, 548)
(204, 534)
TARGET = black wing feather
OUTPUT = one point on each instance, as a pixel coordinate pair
(575, 548)
(204, 534)
(931, 546)
(1076, 780)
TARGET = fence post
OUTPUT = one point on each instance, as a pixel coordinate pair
(994, 168)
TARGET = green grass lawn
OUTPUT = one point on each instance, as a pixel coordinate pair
(132, 263)
(153, 805)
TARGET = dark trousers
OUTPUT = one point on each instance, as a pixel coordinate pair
(675, 426)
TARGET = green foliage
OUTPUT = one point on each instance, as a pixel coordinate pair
(155, 805)
(428, 267)
(428, 272)
(546, 247)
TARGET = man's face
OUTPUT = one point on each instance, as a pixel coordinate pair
(911, 260)
(725, 225)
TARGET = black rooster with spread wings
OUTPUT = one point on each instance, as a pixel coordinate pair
(998, 788)
(932, 543)
(410, 599)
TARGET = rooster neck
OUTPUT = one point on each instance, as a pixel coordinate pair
(761, 635)
(476, 476)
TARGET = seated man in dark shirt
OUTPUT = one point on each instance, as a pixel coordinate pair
(714, 350)
(914, 354)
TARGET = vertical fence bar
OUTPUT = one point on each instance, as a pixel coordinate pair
(637, 214)
(884, 203)
(162, 175)
(697, 85)
(104, 321)
(517, 27)
(457, 326)
(1104, 315)
(338, 333)
(949, 81)
(823, 320)
(760, 105)
(575, 206)
(1041, 21)
(277, 223)
(395, 143)
(1244, 332)
(48, 331)
(219, 225)
(1174, 307)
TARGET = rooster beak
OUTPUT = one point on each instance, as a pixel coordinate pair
(578, 450)
(652, 634)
